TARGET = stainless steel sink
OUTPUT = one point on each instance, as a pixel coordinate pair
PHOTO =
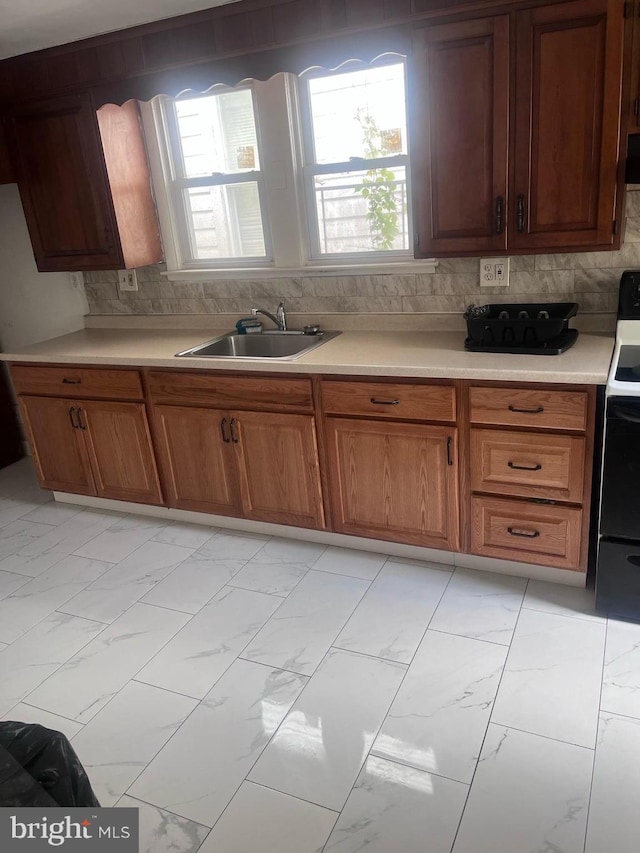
(285, 345)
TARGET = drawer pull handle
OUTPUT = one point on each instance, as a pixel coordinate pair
(525, 534)
(66, 381)
(384, 402)
(223, 424)
(234, 437)
(536, 411)
(515, 467)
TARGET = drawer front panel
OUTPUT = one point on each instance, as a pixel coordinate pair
(390, 400)
(527, 464)
(529, 407)
(77, 382)
(237, 392)
(529, 533)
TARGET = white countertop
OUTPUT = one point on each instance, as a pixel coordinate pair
(424, 354)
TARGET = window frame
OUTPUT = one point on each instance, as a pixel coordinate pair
(310, 168)
(178, 183)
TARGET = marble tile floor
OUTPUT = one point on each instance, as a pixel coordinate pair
(250, 693)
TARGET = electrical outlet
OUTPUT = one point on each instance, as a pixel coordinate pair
(494, 272)
(77, 280)
(127, 280)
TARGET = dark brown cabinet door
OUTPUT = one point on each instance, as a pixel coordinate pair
(119, 446)
(394, 481)
(59, 452)
(64, 186)
(459, 103)
(568, 81)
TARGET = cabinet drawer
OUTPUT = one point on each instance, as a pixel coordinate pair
(237, 392)
(390, 400)
(527, 464)
(77, 382)
(529, 407)
(529, 533)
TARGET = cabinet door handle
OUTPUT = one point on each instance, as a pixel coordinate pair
(515, 467)
(66, 381)
(384, 402)
(234, 437)
(521, 215)
(81, 422)
(71, 413)
(449, 444)
(223, 424)
(499, 214)
(525, 534)
(537, 411)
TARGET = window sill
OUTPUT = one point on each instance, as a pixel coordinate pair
(334, 270)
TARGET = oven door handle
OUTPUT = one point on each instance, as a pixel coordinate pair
(631, 415)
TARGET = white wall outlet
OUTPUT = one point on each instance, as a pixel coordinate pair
(494, 272)
(127, 280)
(77, 280)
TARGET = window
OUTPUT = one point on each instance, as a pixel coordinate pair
(296, 174)
(355, 146)
(217, 186)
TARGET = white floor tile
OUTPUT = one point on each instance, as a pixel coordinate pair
(439, 718)
(198, 655)
(319, 749)
(197, 773)
(298, 636)
(163, 832)
(614, 818)
(258, 818)
(42, 595)
(52, 513)
(10, 582)
(392, 617)
(551, 682)
(15, 537)
(397, 808)
(347, 561)
(621, 680)
(187, 535)
(39, 554)
(278, 566)
(11, 509)
(125, 583)
(85, 684)
(529, 794)
(122, 538)
(28, 714)
(119, 742)
(198, 579)
(561, 599)
(481, 605)
(40, 652)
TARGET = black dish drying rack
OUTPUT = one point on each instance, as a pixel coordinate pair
(541, 327)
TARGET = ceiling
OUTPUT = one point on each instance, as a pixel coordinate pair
(34, 24)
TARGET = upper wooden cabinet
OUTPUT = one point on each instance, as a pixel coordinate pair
(459, 100)
(84, 183)
(559, 147)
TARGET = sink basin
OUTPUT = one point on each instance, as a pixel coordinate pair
(286, 345)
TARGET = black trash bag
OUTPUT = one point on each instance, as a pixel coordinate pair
(38, 768)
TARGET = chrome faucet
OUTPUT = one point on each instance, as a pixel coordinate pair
(279, 318)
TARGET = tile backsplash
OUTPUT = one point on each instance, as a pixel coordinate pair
(589, 278)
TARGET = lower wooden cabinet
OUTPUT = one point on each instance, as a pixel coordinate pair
(394, 481)
(92, 447)
(260, 465)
